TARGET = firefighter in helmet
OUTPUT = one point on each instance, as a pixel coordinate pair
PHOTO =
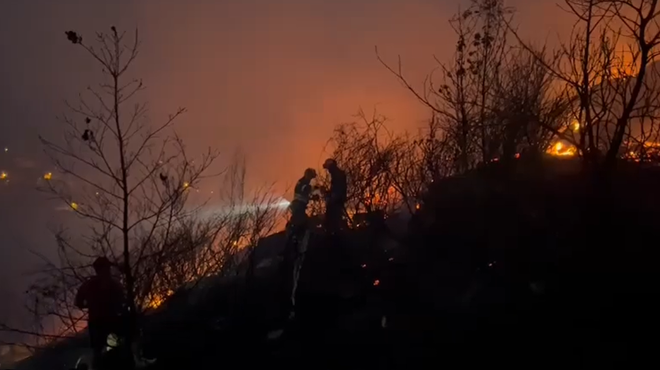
(302, 194)
(335, 196)
(294, 249)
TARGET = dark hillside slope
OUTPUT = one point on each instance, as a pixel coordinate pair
(487, 241)
(535, 263)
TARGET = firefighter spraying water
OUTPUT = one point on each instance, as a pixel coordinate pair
(298, 233)
(298, 227)
(297, 237)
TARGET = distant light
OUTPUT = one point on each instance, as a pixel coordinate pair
(364, 265)
(74, 206)
(6, 150)
(391, 259)
(3, 175)
(186, 185)
(376, 282)
(48, 176)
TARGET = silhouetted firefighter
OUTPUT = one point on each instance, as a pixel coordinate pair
(103, 298)
(335, 198)
(296, 241)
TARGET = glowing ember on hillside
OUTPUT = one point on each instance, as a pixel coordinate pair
(575, 126)
(560, 149)
(157, 299)
(649, 152)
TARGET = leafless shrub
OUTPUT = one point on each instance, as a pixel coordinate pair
(528, 111)
(366, 150)
(421, 159)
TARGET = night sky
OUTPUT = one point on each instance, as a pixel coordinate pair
(270, 77)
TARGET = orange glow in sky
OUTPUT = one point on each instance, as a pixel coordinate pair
(271, 77)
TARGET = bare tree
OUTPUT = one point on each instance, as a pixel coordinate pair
(451, 99)
(639, 22)
(463, 98)
(489, 49)
(527, 109)
(605, 70)
(366, 150)
(126, 179)
(203, 243)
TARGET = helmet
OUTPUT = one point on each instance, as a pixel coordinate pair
(329, 163)
(101, 264)
(310, 173)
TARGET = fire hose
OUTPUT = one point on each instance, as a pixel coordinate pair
(301, 247)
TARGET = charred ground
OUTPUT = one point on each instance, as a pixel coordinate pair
(534, 262)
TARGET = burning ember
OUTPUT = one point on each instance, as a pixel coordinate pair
(649, 152)
(575, 126)
(157, 299)
(560, 149)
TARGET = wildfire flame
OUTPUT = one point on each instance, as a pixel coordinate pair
(157, 299)
(650, 151)
(559, 149)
